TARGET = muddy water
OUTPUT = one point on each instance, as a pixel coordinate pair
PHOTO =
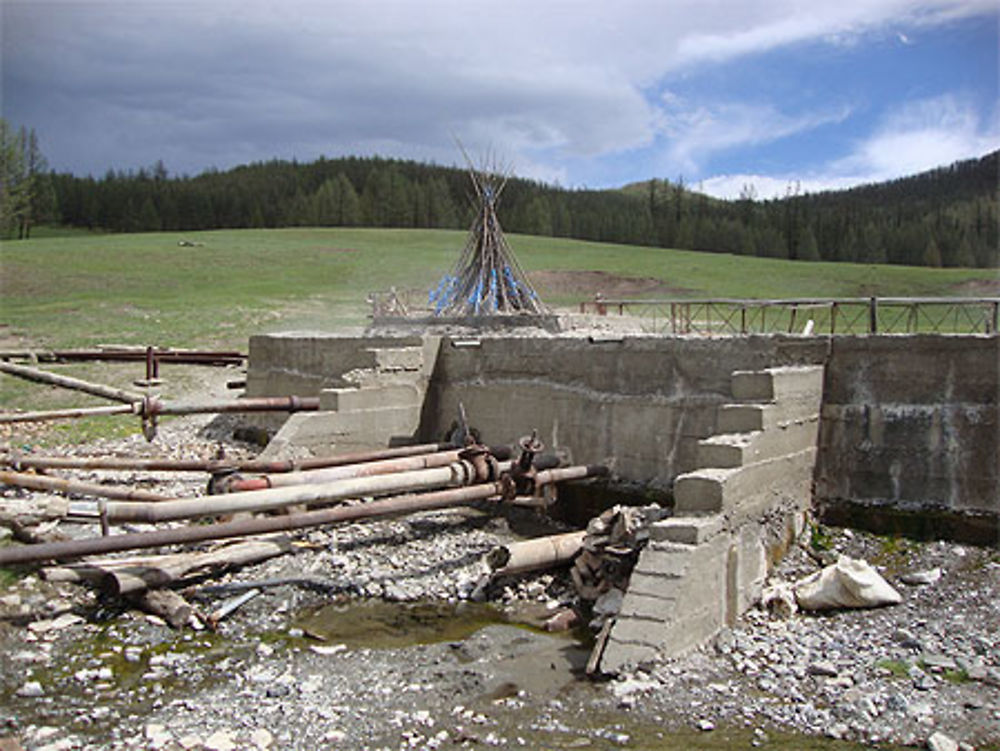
(524, 688)
(377, 624)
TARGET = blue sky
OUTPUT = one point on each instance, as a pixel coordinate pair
(721, 93)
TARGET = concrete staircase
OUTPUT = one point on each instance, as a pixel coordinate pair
(378, 400)
(707, 564)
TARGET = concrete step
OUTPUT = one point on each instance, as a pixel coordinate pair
(740, 449)
(746, 418)
(714, 489)
(776, 384)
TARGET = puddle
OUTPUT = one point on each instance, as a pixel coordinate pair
(377, 624)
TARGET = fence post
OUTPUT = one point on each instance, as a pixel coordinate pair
(996, 316)
(873, 315)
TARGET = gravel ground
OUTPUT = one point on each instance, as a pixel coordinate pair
(375, 644)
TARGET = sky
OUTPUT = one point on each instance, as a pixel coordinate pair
(779, 95)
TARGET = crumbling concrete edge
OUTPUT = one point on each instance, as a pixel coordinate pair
(706, 566)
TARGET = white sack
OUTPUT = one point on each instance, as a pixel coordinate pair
(848, 583)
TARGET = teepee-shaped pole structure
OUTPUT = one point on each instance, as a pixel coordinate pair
(487, 279)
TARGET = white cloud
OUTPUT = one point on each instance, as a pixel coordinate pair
(553, 82)
(916, 137)
(696, 132)
(919, 136)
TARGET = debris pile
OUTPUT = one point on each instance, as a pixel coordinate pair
(323, 492)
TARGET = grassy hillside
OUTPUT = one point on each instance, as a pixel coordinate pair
(145, 288)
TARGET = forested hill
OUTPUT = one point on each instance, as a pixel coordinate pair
(948, 216)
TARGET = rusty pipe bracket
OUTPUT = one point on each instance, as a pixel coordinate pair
(508, 488)
(484, 464)
(149, 408)
(102, 509)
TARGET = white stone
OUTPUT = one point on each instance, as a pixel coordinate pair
(327, 650)
(941, 742)
(31, 690)
(916, 578)
(220, 740)
(261, 738)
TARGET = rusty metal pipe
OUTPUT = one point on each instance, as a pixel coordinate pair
(549, 476)
(215, 465)
(536, 554)
(200, 532)
(131, 354)
(60, 414)
(68, 382)
(366, 469)
(457, 473)
(41, 482)
(153, 407)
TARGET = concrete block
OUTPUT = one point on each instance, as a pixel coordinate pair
(353, 400)
(655, 584)
(631, 630)
(739, 449)
(649, 607)
(712, 490)
(775, 384)
(621, 651)
(689, 530)
(664, 560)
(398, 358)
(745, 418)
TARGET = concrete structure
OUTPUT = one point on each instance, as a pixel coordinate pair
(910, 436)
(720, 427)
(732, 516)
(371, 390)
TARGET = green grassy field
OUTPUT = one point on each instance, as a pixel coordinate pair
(87, 289)
(82, 289)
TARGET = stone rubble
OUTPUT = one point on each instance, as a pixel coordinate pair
(925, 672)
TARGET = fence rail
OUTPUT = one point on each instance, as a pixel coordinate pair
(851, 315)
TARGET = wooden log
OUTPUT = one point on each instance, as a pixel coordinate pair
(168, 605)
(27, 512)
(534, 555)
(132, 579)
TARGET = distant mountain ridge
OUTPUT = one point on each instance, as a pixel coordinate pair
(943, 217)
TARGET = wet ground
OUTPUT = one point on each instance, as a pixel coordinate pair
(389, 653)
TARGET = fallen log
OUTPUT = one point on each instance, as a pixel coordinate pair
(168, 605)
(25, 512)
(534, 555)
(131, 579)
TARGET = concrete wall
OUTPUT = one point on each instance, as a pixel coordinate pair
(302, 363)
(640, 404)
(910, 429)
(909, 423)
